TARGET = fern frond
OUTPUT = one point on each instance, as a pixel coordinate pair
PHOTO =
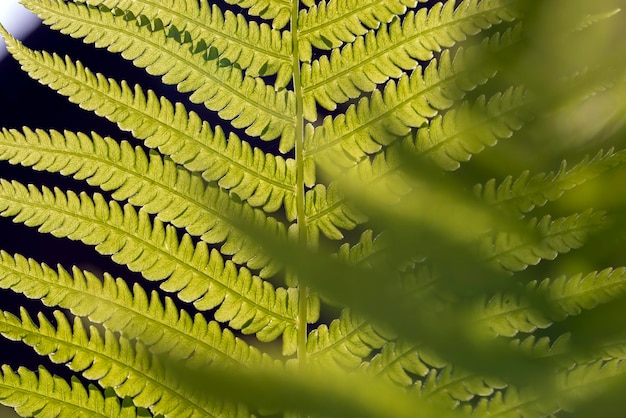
(403, 105)
(114, 362)
(257, 49)
(327, 212)
(398, 361)
(513, 403)
(196, 274)
(42, 394)
(246, 102)
(346, 341)
(507, 314)
(374, 58)
(260, 178)
(527, 191)
(160, 326)
(451, 386)
(363, 251)
(576, 384)
(447, 140)
(184, 199)
(515, 253)
(462, 132)
(327, 207)
(328, 24)
(278, 11)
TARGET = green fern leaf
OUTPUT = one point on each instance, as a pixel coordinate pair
(363, 251)
(46, 395)
(450, 387)
(131, 174)
(197, 275)
(257, 49)
(260, 178)
(580, 383)
(399, 361)
(509, 314)
(369, 61)
(114, 362)
(327, 212)
(447, 140)
(381, 275)
(346, 341)
(454, 137)
(527, 191)
(160, 326)
(279, 11)
(402, 105)
(329, 24)
(515, 253)
(231, 94)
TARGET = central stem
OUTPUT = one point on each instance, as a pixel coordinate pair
(300, 198)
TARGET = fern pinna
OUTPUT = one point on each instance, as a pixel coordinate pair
(342, 126)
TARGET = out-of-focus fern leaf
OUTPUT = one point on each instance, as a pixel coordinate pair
(447, 140)
(527, 191)
(46, 395)
(515, 253)
(580, 383)
(509, 314)
(454, 137)
(350, 238)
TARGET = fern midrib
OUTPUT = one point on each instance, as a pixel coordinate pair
(216, 33)
(95, 354)
(175, 57)
(397, 45)
(129, 308)
(303, 292)
(149, 246)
